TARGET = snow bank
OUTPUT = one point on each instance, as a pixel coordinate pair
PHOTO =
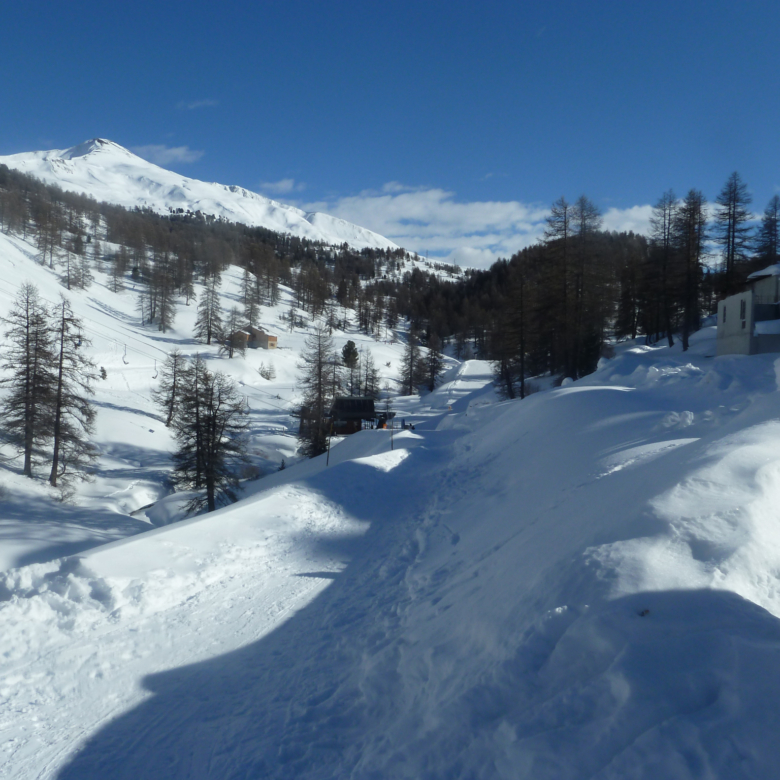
(581, 584)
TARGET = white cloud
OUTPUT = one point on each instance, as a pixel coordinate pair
(165, 155)
(431, 220)
(189, 105)
(473, 234)
(636, 219)
(281, 187)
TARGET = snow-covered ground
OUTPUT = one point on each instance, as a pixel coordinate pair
(582, 584)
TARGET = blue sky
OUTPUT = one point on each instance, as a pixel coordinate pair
(448, 126)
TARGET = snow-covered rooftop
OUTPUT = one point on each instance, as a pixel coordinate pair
(772, 270)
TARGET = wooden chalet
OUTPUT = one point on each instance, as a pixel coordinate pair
(348, 413)
(255, 337)
(259, 338)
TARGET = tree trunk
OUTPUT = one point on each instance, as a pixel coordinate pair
(55, 461)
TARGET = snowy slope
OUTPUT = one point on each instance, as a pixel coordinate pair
(583, 584)
(133, 442)
(111, 173)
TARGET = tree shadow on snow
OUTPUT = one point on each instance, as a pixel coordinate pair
(322, 695)
(128, 409)
(230, 715)
(55, 534)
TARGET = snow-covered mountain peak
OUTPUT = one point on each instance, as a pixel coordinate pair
(96, 145)
(111, 173)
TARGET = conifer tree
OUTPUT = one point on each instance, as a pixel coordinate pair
(118, 268)
(767, 246)
(187, 287)
(350, 358)
(628, 312)
(509, 337)
(143, 304)
(172, 385)
(371, 379)
(434, 362)
(208, 325)
(210, 431)
(97, 252)
(232, 341)
(413, 370)
(250, 297)
(72, 412)
(28, 355)
(317, 376)
(69, 272)
(252, 312)
(662, 254)
(82, 276)
(558, 237)
(587, 222)
(163, 286)
(732, 228)
(48, 225)
(690, 232)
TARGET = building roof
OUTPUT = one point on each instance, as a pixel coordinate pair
(772, 270)
(353, 408)
(258, 332)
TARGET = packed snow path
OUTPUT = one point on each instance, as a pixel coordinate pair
(193, 591)
(583, 584)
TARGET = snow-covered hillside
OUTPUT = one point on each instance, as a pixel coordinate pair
(582, 584)
(111, 173)
(134, 443)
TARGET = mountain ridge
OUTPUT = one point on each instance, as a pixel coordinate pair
(110, 172)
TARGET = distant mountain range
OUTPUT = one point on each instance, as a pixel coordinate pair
(111, 173)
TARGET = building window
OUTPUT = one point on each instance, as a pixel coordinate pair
(742, 311)
(724, 314)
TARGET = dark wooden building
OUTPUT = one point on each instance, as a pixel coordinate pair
(348, 413)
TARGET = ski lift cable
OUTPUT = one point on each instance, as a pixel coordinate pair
(103, 326)
(137, 351)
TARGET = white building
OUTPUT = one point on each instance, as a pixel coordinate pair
(749, 322)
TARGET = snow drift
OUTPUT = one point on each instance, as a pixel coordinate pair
(583, 584)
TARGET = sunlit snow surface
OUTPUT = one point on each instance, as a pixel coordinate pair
(582, 584)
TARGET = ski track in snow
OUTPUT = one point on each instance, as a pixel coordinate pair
(100, 652)
(406, 664)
